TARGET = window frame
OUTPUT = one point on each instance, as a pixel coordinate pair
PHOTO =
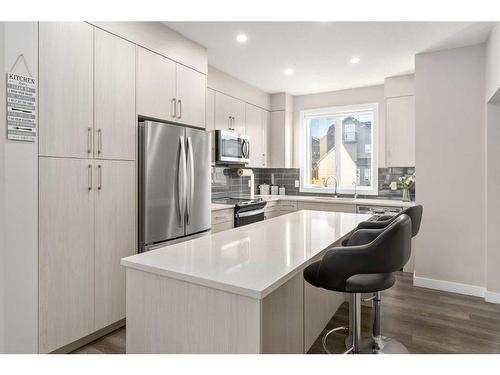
(338, 111)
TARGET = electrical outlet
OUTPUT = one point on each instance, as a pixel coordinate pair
(393, 185)
(249, 183)
(297, 183)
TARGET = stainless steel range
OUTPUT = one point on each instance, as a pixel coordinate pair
(246, 210)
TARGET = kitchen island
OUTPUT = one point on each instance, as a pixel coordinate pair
(237, 291)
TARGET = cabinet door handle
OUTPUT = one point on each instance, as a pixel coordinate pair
(174, 108)
(180, 109)
(99, 177)
(99, 141)
(89, 177)
(229, 122)
(233, 122)
(89, 140)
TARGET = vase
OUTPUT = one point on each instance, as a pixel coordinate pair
(406, 195)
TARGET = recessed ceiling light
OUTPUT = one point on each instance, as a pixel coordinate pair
(354, 60)
(241, 38)
(288, 71)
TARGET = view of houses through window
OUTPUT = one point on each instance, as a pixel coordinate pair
(340, 146)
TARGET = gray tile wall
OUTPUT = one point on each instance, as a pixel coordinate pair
(225, 181)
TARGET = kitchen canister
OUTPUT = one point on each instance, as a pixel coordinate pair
(274, 190)
(264, 189)
(282, 190)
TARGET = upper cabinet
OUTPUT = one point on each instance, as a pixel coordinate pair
(191, 91)
(400, 131)
(256, 129)
(400, 121)
(80, 118)
(169, 91)
(114, 98)
(66, 89)
(155, 85)
(229, 113)
(210, 110)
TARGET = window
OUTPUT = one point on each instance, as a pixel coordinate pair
(340, 145)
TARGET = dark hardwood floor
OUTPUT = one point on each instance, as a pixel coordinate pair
(424, 320)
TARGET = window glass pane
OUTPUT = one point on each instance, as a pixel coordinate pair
(322, 148)
(355, 154)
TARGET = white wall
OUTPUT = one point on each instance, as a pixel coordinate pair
(2, 197)
(493, 62)
(450, 153)
(19, 214)
(493, 201)
(223, 82)
(372, 94)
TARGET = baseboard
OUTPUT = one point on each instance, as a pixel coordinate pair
(492, 297)
(449, 286)
(88, 339)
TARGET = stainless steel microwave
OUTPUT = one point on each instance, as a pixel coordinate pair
(231, 147)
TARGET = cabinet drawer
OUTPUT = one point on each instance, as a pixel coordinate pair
(288, 205)
(271, 214)
(222, 226)
(222, 216)
(334, 207)
(272, 206)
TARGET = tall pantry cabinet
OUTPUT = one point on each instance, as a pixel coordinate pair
(87, 179)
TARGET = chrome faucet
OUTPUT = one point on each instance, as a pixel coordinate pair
(355, 189)
(326, 185)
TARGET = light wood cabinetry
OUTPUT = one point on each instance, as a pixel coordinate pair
(66, 251)
(256, 129)
(271, 210)
(156, 85)
(229, 113)
(281, 138)
(210, 110)
(169, 91)
(400, 131)
(400, 121)
(65, 89)
(222, 220)
(114, 98)
(115, 236)
(191, 91)
(87, 224)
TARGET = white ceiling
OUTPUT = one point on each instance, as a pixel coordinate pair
(319, 52)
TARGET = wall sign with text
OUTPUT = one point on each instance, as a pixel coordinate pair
(21, 107)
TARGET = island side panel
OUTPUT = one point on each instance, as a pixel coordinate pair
(165, 315)
(319, 307)
(283, 318)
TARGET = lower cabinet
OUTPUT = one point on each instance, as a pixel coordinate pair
(115, 237)
(222, 220)
(87, 214)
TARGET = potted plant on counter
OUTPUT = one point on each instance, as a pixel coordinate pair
(407, 182)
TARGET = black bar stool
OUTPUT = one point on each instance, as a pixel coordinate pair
(378, 342)
(365, 268)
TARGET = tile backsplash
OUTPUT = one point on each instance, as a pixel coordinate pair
(225, 181)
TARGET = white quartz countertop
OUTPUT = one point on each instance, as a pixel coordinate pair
(320, 199)
(251, 260)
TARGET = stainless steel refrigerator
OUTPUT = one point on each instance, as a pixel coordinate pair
(174, 184)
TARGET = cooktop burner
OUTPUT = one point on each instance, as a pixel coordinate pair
(239, 201)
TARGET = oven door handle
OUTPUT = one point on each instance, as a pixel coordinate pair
(249, 213)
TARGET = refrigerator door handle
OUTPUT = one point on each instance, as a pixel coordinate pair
(191, 177)
(181, 192)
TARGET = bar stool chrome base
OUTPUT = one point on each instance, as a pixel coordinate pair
(386, 345)
(325, 337)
